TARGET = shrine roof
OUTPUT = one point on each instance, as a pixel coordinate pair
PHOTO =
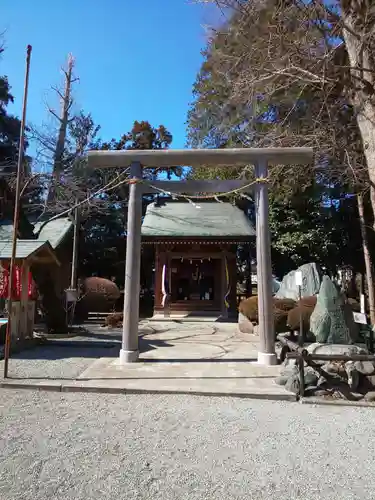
(202, 219)
(24, 250)
(53, 231)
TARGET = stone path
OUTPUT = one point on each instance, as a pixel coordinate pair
(198, 358)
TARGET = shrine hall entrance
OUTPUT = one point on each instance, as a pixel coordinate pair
(195, 256)
(195, 283)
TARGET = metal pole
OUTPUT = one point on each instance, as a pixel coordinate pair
(301, 339)
(73, 278)
(72, 293)
(16, 211)
(129, 352)
(266, 354)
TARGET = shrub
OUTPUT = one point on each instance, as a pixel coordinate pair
(249, 308)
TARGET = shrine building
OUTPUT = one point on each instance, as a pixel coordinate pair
(195, 255)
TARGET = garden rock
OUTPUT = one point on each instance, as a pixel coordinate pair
(370, 380)
(318, 348)
(282, 379)
(370, 396)
(364, 367)
(330, 368)
(311, 278)
(293, 384)
(275, 286)
(321, 392)
(289, 369)
(353, 376)
(244, 324)
(311, 378)
(321, 381)
(332, 320)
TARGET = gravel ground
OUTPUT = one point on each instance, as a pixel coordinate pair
(66, 359)
(56, 362)
(81, 446)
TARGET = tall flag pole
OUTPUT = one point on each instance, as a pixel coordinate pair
(16, 213)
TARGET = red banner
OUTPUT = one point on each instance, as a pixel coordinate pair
(17, 283)
(4, 281)
(31, 293)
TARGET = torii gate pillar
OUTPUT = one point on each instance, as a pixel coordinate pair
(266, 325)
(129, 349)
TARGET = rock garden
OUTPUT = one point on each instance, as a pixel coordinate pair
(326, 344)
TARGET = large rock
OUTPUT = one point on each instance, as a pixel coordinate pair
(365, 367)
(293, 384)
(311, 279)
(318, 348)
(332, 320)
(353, 375)
(334, 367)
(311, 378)
(370, 396)
(244, 324)
(281, 379)
(288, 368)
(275, 285)
(249, 308)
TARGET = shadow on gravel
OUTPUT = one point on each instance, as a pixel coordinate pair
(54, 352)
(114, 335)
(60, 349)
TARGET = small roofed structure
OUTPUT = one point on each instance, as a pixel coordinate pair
(195, 255)
(58, 233)
(28, 253)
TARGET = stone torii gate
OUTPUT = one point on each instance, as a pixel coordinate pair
(138, 159)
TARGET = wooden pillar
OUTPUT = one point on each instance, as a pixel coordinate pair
(266, 354)
(2, 300)
(249, 285)
(129, 352)
(24, 299)
(232, 299)
(166, 285)
(159, 257)
(74, 269)
(224, 286)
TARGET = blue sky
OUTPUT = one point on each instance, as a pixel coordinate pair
(136, 60)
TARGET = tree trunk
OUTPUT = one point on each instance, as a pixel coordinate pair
(66, 103)
(362, 85)
(52, 306)
(367, 258)
(366, 124)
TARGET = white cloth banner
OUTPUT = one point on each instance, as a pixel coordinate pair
(163, 291)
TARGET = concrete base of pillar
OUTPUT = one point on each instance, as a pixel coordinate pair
(267, 359)
(128, 357)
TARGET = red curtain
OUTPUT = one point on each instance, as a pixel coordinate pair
(17, 283)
